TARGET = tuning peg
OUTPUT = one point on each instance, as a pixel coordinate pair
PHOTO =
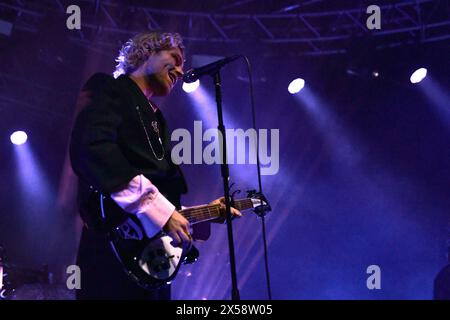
(235, 192)
(263, 206)
(251, 193)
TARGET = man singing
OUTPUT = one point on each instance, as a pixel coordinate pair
(120, 147)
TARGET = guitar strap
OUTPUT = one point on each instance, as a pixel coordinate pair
(89, 205)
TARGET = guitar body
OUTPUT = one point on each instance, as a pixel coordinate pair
(151, 262)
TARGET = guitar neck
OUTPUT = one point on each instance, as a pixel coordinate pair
(208, 212)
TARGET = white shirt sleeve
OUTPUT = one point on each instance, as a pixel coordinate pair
(143, 199)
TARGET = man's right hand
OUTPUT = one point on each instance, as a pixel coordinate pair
(177, 227)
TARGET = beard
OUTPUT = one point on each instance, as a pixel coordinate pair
(160, 83)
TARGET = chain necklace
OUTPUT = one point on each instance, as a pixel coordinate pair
(156, 129)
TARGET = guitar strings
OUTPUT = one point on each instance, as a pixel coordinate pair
(207, 208)
(205, 212)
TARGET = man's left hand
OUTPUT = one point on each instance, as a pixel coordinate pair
(234, 212)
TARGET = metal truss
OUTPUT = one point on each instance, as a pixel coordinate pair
(287, 27)
(304, 25)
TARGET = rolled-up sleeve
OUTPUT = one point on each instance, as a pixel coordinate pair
(142, 198)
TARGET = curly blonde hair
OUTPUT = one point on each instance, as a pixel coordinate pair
(139, 48)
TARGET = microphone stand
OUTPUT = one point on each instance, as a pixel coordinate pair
(226, 177)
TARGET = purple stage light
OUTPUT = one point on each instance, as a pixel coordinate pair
(418, 75)
(191, 87)
(19, 137)
(296, 85)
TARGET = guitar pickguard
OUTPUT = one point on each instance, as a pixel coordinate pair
(160, 259)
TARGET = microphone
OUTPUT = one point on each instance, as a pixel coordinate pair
(194, 74)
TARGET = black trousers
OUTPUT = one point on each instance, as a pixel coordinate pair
(102, 275)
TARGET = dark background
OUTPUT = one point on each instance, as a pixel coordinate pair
(364, 161)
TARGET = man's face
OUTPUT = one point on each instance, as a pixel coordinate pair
(163, 69)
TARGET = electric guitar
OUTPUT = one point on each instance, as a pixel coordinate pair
(154, 262)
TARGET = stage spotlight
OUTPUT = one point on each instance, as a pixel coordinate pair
(191, 87)
(19, 137)
(296, 85)
(418, 75)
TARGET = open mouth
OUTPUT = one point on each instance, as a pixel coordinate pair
(173, 79)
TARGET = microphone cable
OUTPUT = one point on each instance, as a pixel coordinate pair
(258, 167)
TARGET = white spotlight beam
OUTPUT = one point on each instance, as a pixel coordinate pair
(19, 137)
(418, 75)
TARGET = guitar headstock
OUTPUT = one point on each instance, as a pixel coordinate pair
(260, 204)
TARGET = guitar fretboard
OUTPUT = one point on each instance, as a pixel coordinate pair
(208, 212)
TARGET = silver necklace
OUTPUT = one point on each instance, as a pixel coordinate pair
(156, 129)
